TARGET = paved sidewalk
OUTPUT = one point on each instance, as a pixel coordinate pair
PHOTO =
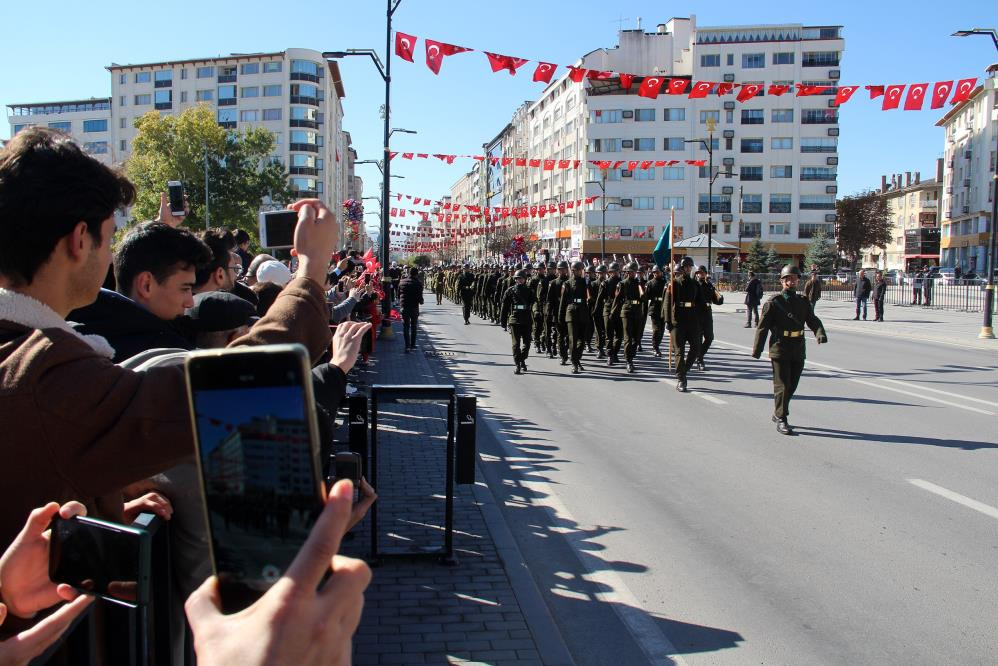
(417, 611)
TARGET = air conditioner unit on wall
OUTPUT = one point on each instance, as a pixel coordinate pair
(729, 134)
(728, 78)
(830, 217)
(831, 189)
(728, 161)
(727, 189)
(627, 114)
(625, 203)
(834, 74)
(831, 161)
(729, 106)
(727, 217)
(833, 131)
(626, 173)
(627, 143)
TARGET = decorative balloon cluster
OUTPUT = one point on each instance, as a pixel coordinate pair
(353, 212)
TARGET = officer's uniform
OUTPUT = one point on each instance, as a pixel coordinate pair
(629, 303)
(611, 317)
(575, 315)
(536, 313)
(706, 315)
(466, 287)
(679, 311)
(599, 298)
(654, 295)
(516, 314)
(556, 341)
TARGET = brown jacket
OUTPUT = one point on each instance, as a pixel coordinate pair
(78, 427)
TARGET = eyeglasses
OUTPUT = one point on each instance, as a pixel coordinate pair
(236, 269)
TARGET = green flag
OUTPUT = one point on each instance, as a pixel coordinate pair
(663, 250)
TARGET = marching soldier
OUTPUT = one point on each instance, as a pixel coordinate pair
(783, 319)
(654, 295)
(574, 315)
(628, 302)
(515, 313)
(596, 308)
(679, 307)
(466, 288)
(544, 276)
(557, 335)
(438, 285)
(704, 313)
(611, 317)
(533, 283)
(591, 286)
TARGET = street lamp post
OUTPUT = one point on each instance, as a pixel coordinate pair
(987, 329)
(602, 188)
(709, 145)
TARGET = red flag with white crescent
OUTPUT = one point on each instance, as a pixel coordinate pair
(500, 62)
(777, 89)
(436, 51)
(700, 89)
(404, 45)
(544, 71)
(576, 73)
(677, 86)
(626, 81)
(940, 92)
(916, 96)
(650, 87)
(963, 89)
(748, 91)
(843, 94)
(875, 91)
(724, 88)
(892, 96)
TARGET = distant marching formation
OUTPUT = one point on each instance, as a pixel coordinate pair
(565, 308)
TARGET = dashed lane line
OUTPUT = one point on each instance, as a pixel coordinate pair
(986, 509)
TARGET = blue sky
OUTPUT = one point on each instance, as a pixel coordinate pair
(60, 53)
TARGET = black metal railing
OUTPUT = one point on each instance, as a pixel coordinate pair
(963, 297)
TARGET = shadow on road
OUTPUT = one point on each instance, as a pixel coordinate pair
(967, 445)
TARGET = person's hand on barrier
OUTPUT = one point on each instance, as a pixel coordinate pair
(166, 215)
(24, 567)
(148, 503)
(21, 649)
(293, 623)
(315, 237)
(367, 498)
(346, 343)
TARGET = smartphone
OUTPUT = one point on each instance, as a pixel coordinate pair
(257, 441)
(277, 229)
(347, 465)
(101, 558)
(175, 190)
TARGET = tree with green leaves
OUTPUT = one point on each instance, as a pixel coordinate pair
(757, 259)
(820, 252)
(862, 220)
(773, 261)
(240, 171)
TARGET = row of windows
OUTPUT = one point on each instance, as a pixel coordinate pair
(640, 115)
(751, 203)
(758, 60)
(747, 145)
(207, 72)
(98, 125)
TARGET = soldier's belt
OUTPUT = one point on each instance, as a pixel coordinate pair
(576, 300)
(519, 307)
(657, 299)
(793, 334)
(684, 305)
(634, 302)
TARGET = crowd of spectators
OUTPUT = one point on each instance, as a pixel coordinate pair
(94, 402)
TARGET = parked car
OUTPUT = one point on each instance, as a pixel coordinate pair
(944, 275)
(895, 276)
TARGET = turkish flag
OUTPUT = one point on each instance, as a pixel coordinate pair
(576, 73)
(407, 156)
(777, 90)
(844, 93)
(548, 165)
(632, 165)
(618, 164)
(596, 75)
(500, 62)
(748, 91)
(724, 88)
(576, 163)
(875, 91)
(394, 212)
(494, 161)
(544, 71)
(422, 155)
(404, 45)
(436, 51)
(626, 80)
(521, 161)
(963, 89)
(940, 92)
(506, 161)
(603, 164)
(650, 87)
(392, 154)
(534, 163)
(916, 96)
(646, 164)
(700, 89)
(561, 208)
(564, 164)
(892, 97)
(804, 91)
(677, 86)
(660, 163)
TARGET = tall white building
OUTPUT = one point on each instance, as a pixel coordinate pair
(88, 121)
(782, 151)
(971, 133)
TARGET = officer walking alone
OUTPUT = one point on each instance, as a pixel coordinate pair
(466, 288)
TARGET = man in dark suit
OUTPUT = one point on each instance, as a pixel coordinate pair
(753, 297)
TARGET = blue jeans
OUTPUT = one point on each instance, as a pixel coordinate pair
(861, 303)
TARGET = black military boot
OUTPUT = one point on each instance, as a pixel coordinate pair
(658, 353)
(600, 355)
(523, 366)
(516, 370)
(681, 385)
(783, 427)
(575, 369)
(564, 361)
(630, 366)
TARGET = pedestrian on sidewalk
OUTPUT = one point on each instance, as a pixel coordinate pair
(411, 297)
(812, 288)
(753, 297)
(927, 284)
(916, 287)
(879, 294)
(862, 294)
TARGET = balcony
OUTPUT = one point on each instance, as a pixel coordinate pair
(817, 206)
(307, 194)
(304, 147)
(303, 171)
(928, 203)
(752, 207)
(302, 76)
(719, 207)
(819, 62)
(823, 119)
(818, 176)
(226, 78)
(160, 106)
(227, 101)
(779, 207)
(227, 124)
(313, 124)
(163, 84)
(298, 99)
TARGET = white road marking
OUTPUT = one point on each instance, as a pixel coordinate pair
(709, 398)
(986, 509)
(916, 391)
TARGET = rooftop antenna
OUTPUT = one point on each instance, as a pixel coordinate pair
(620, 22)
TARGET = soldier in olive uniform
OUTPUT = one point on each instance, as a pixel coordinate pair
(679, 309)
(438, 285)
(557, 335)
(628, 301)
(654, 295)
(611, 316)
(705, 314)
(573, 313)
(599, 298)
(591, 284)
(783, 319)
(466, 288)
(536, 318)
(515, 313)
(545, 274)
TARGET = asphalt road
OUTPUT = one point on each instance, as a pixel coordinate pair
(681, 528)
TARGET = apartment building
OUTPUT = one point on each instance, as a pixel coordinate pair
(970, 140)
(778, 155)
(88, 121)
(914, 209)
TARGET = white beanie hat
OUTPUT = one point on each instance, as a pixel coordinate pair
(273, 271)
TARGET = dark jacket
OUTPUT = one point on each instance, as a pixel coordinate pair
(683, 298)
(128, 326)
(812, 288)
(411, 294)
(863, 288)
(753, 292)
(783, 319)
(880, 290)
(517, 302)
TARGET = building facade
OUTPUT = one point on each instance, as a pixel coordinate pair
(88, 121)
(914, 209)
(970, 141)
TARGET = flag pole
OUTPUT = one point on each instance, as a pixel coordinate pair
(672, 236)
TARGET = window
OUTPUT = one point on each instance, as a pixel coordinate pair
(783, 58)
(249, 68)
(249, 116)
(643, 203)
(164, 99)
(781, 143)
(673, 202)
(122, 78)
(817, 202)
(301, 136)
(644, 174)
(673, 114)
(183, 75)
(304, 90)
(96, 125)
(715, 143)
(226, 115)
(205, 72)
(604, 116)
(95, 147)
(319, 163)
(226, 92)
(121, 101)
(751, 203)
(227, 73)
(819, 145)
(121, 123)
(674, 173)
(750, 173)
(779, 229)
(303, 113)
(143, 100)
(784, 171)
(817, 173)
(183, 96)
(750, 230)
(164, 76)
(808, 230)
(644, 144)
(271, 114)
(731, 59)
(783, 115)
(753, 116)
(605, 146)
(752, 145)
(641, 115)
(122, 145)
(269, 67)
(779, 203)
(272, 90)
(304, 67)
(706, 115)
(62, 126)
(250, 91)
(820, 59)
(721, 203)
(753, 60)
(674, 143)
(819, 116)
(710, 60)
(204, 95)
(302, 161)
(142, 77)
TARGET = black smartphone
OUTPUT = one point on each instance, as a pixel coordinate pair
(101, 558)
(175, 190)
(257, 440)
(277, 229)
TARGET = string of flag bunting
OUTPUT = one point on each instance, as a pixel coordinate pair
(550, 164)
(652, 85)
(450, 213)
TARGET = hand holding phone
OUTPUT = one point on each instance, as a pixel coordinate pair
(175, 189)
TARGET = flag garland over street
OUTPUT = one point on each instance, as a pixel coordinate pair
(549, 164)
(651, 86)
